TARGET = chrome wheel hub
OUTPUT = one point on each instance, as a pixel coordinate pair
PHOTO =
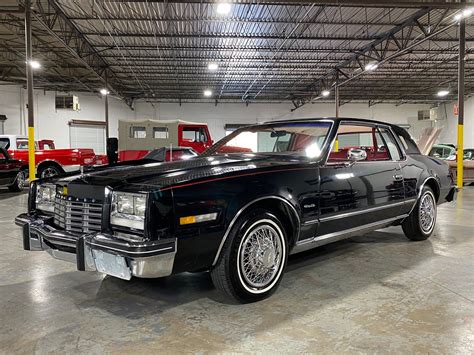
(261, 256)
(49, 172)
(427, 213)
(21, 179)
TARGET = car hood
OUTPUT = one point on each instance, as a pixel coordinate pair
(154, 175)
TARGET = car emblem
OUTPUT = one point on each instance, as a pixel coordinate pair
(64, 190)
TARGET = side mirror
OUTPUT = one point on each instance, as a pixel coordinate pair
(356, 154)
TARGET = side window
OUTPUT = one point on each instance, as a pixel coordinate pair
(189, 134)
(359, 137)
(160, 132)
(389, 141)
(4, 143)
(21, 144)
(202, 135)
(137, 132)
(3, 156)
(195, 134)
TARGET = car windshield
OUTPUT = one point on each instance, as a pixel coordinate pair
(292, 138)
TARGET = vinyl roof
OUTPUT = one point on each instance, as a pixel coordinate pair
(265, 50)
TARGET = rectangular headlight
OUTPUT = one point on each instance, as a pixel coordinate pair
(45, 195)
(128, 210)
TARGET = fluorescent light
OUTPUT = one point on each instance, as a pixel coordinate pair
(223, 8)
(207, 93)
(212, 66)
(371, 66)
(464, 14)
(325, 93)
(104, 92)
(35, 64)
(443, 93)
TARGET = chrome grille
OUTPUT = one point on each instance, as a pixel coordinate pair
(77, 216)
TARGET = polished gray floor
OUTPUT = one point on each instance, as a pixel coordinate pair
(375, 293)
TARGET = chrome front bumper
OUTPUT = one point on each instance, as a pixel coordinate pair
(98, 251)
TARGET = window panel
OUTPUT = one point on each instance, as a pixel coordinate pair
(138, 132)
(160, 132)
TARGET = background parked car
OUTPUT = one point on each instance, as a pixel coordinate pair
(12, 171)
(442, 151)
(49, 160)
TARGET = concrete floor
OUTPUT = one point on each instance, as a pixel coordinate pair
(375, 293)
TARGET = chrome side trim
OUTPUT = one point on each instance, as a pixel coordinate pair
(310, 222)
(367, 210)
(131, 252)
(347, 233)
(237, 215)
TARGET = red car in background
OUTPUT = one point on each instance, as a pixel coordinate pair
(49, 160)
(12, 172)
(138, 137)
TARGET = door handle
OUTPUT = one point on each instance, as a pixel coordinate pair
(398, 177)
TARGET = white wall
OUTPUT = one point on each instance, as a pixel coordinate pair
(449, 124)
(53, 124)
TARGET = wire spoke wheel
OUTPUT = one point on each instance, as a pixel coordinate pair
(261, 256)
(49, 172)
(427, 212)
(20, 178)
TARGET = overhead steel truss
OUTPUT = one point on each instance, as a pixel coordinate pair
(266, 50)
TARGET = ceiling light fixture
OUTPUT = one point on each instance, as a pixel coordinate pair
(325, 93)
(223, 8)
(443, 93)
(467, 12)
(212, 66)
(35, 64)
(371, 66)
(104, 92)
(207, 93)
(464, 14)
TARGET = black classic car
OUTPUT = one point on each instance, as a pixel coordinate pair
(305, 183)
(12, 172)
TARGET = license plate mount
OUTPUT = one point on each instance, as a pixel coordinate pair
(110, 264)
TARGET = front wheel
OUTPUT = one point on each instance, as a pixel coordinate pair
(253, 259)
(419, 225)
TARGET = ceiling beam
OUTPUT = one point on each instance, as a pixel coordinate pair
(440, 4)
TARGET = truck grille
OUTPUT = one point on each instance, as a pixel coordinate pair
(77, 216)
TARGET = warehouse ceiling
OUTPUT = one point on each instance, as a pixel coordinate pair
(264, 50)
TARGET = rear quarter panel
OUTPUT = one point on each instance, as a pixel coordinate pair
(421, 167)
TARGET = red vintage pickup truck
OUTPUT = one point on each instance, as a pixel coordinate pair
(138, 137)
(49, 160)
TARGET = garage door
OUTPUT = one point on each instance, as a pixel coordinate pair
(88, 136)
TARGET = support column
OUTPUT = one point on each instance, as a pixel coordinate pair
(106, 108)
(29, 85)
(462, 52)
(336, 95)
(107, 116)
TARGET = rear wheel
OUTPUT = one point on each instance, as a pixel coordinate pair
(19, 182)
(253, 259)
(419, 225)
(49, 171)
